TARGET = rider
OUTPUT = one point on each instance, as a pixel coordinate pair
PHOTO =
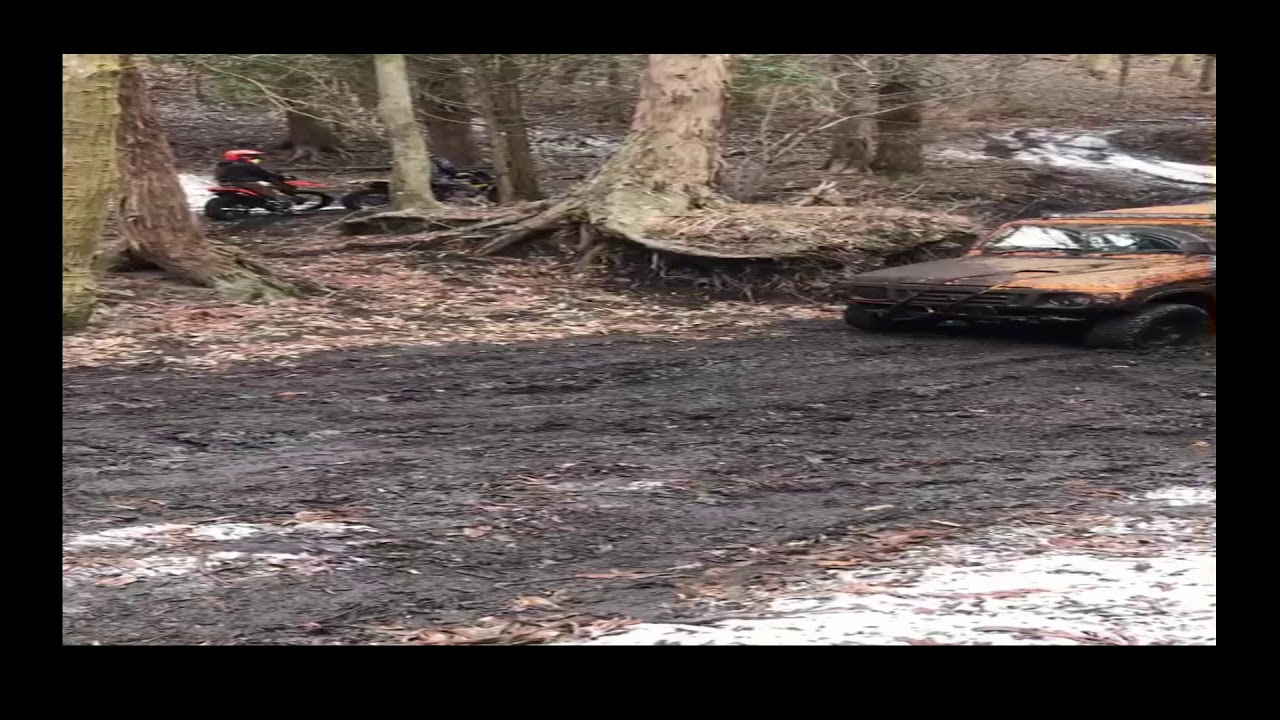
(243, 169)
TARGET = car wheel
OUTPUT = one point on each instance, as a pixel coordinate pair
(1154, 326)
(856, 316)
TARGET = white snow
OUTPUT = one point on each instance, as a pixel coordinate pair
(197, 189)
(125, 555)
(1129, 580)
(1095, 153)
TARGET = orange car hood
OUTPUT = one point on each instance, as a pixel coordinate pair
(1099, 274)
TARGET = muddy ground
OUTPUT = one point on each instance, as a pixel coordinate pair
(565, 472)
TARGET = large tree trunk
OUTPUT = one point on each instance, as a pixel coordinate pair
(90, 109)
(1183, 66)
(309, 137)
(1126, 68)
(509, 109)
(1097, 65)
(499, 149)
(899, 125)
(411, 164)
(1006, 76)
(154, 220)
(668, 163)
(1209, 74)
(851, 139)
(446, 114)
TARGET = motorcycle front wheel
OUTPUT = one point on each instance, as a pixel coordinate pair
(361, 199)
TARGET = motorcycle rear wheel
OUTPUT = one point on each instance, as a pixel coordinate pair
(225, 208)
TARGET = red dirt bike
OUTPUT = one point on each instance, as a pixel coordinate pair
(233, 203)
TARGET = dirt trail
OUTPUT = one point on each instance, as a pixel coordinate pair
(417, 487)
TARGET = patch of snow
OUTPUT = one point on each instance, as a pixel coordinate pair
(122, 556)
(1093, 152)
(1127, 581)
(196, 188)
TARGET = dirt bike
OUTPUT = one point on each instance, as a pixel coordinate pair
(233, 203)
(466, 183)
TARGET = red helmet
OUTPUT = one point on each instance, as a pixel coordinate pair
(241, 154)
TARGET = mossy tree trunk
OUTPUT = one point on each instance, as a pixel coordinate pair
(667, 164)
(90, 110)
(154, 219)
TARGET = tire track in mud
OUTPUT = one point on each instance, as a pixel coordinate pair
(584, 457)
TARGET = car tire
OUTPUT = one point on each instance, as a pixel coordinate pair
(1153, 326)
(860, 318)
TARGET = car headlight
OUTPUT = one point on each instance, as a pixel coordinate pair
(871, 292)
(1077, 300)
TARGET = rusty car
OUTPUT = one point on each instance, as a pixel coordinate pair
(1132, 279)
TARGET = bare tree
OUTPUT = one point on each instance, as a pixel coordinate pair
(1183, 66)
(667, 164)
(90, 109)
(899, 140)
(1097, 65)
(411, 163)
(851, 139)
(154, 220)
(498, 79)
(444, 109)
(1126, 67)
(1006, 76)
(509, 108)
(1209, 74)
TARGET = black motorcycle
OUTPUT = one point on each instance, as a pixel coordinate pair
(464, 184)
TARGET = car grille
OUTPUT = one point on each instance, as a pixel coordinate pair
(962, 297)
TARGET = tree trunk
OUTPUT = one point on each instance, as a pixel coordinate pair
(154, 220)
(309, 137)
(1097, 65)
(1006, 77)
(668, 163)
(486, 95)
(446, 114)
(851, 139)
(1126, 67)
(509, 109)
(1183, 66)
(1209, 74)
(899, 141)
(90, 110)
(411, 164)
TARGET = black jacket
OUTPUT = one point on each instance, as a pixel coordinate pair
(241, 171)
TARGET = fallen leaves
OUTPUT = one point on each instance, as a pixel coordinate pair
(389, 299)
(496, 631)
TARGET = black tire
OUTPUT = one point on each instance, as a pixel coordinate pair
(492, 194)
(221, 207)
(860, 318)
(361, 199)
(315, 200)
(1153, 326)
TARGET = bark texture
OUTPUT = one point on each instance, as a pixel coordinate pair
(899, 137)
(90, 109)
(668, 163)
(1183, 66)
(1209, 74)
(154, 220)
(509, 109)
(411, 163)
(1097, 65)
(851, 139)
(309, 137)
(445, 111)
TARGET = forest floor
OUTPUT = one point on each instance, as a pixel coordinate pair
(443, 449)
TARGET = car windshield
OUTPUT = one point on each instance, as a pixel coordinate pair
(1078, 240)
